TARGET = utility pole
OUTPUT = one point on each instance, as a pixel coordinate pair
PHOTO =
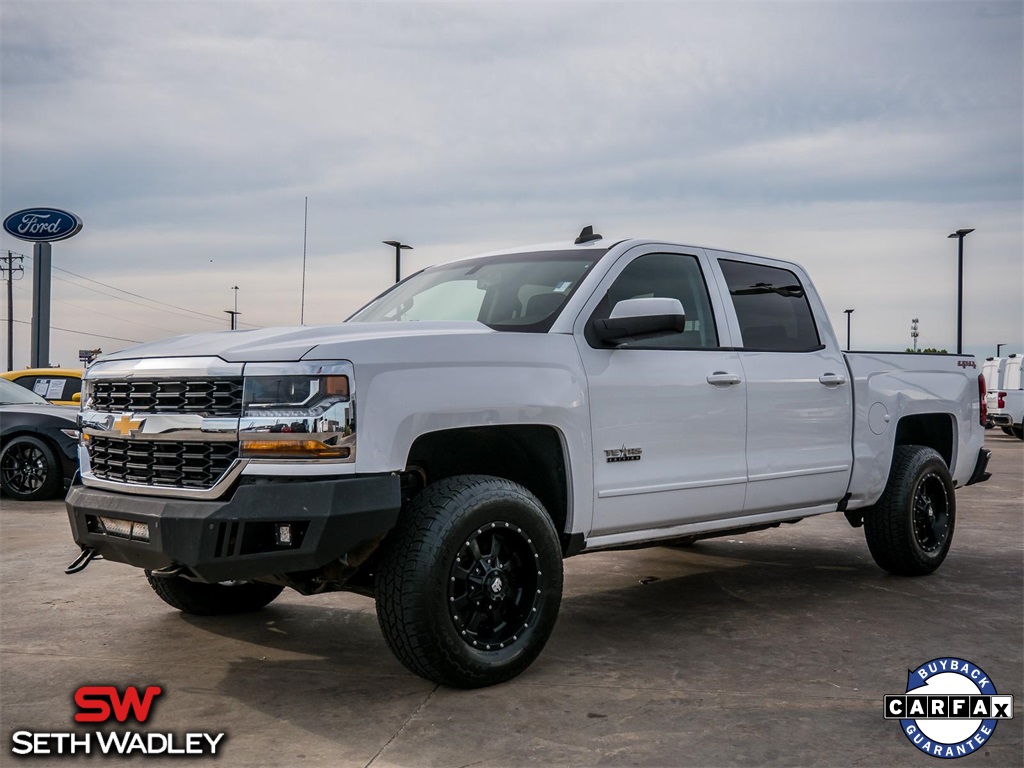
(913, 331)
(999, 347)
(9, 269)
(234, 313)
(849, 314)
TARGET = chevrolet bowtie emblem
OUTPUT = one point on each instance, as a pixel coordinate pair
(125, 425)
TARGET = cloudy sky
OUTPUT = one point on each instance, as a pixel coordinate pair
(851, 137)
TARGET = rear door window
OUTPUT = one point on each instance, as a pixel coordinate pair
(772, 308)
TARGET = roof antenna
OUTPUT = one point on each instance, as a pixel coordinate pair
(587, 235)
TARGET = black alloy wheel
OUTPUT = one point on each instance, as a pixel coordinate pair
(493, 588)
(931, 513)
(29, 470)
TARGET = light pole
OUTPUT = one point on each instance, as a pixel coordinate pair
(913, 331)
(399, 247)
(960, 234)
(849, 314)
(999, 347)
(234, 312)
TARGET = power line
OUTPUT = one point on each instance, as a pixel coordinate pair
(105, 313)
(139, 295)
(137, 303)
(84, 333)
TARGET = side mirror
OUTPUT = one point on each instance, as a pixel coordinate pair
(636, 319)
(77, 397)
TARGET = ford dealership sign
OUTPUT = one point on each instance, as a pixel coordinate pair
(42, 225)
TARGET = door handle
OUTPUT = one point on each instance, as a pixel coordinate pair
(832, 379)
(723, 379)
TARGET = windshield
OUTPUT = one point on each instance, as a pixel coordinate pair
(15, 394)
(515, 292)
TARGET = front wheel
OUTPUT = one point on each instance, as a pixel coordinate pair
(910, 529)
(469, 585)
(212, 599)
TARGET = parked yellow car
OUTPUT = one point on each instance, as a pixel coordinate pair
(61, 386)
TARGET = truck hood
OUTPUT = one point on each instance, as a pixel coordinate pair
(289, 344)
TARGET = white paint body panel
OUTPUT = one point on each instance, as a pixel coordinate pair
(906, 385)
(777, 444)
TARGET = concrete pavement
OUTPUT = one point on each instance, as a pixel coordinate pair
(772, 648)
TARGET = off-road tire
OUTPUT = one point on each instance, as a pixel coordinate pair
(430, 575)
(212, 599)
(30, 470)
(910, 529)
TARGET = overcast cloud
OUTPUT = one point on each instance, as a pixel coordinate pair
(852, 137)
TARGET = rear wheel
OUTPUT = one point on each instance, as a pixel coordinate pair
(1018, 431)
(470, 583)
(1007, 430)
(910, 529)
(212, 599)
(29, 470)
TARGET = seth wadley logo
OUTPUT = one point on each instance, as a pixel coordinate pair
(103, 704)
(950, 708)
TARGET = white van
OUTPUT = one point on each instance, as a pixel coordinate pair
(992, 369)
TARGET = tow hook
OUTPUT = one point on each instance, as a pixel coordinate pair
(167, 572)
(87, 555)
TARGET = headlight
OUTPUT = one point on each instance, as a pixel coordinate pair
(297, 411)
(292, 395)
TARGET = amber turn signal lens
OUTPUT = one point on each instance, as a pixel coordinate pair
(293, 449)
(336, 385)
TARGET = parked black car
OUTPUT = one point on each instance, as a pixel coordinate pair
(38, 444)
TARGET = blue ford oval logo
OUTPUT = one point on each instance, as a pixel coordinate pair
(42, 225)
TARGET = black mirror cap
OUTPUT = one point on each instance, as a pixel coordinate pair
(621, 330)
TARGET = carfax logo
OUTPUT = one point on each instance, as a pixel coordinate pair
(950, 707)
(103, 704)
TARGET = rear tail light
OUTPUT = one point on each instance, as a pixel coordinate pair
(1001, 403)
(981, 396)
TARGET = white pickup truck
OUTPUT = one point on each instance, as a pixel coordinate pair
(449, 444)
(1005, 398)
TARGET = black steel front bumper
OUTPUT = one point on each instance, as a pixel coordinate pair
(238, 538)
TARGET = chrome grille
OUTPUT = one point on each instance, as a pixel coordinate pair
(172, 464)
(212, 397)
